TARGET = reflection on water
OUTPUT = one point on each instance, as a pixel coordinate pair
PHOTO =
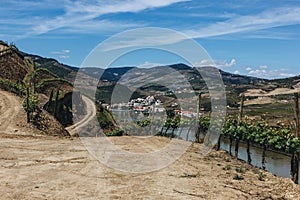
(186, 134)
(277, 163)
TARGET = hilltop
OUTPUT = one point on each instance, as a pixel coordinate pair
(114, 74)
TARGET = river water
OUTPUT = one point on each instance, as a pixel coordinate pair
(277, 163)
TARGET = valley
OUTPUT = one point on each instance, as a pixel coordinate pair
(45, 159)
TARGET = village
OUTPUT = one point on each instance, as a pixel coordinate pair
(147, 105)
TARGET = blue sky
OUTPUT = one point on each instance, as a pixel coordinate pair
(257, 38)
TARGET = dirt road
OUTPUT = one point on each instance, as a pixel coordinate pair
(13, 119)
(45, 167)
(91, 112)
(9, 108)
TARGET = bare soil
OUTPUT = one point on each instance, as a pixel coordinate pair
(58, 168)
(36, 166)
(260, 101)
(13, 119)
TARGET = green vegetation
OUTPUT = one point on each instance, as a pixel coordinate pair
(52, 65)
(9, 47)
(17, 88)
(107, 122)
(240, 170)
(238, 177)
(227, 167)
(33, 103)
(270, 110)
(170, 123)
(104, 93)
(44, 82)
(280, 137)
(46, 71)
(261, 176)
(144, 122)
(115, 132)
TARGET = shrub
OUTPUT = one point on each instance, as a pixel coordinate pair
(238, 177)
(116, 132)
(240, 170)
(227, 167)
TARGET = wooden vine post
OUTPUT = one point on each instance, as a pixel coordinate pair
(153, 126)
(295, 156)
(241, 112)
(296, 113)
(197, 133)
(56, 103)
(50, 100)
(27, 105)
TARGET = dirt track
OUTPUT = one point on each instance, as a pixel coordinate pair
(44, 167)
(91, 112)
(9, 107)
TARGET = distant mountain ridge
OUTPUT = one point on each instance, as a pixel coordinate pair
(116, 73)
(125, 77)
(59, 69)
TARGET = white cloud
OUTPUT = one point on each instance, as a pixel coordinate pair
(267, 72)
(147, 64)
(145, 37)
(204, 63)
(258, 72)
(263, 67)
(78, 16)
(236, 72)
(249, 69)
(64, 51)
(85, 16)
(250, 23)
(100, 7)
(82, 12)
(215, 63)
(63, 54)
(232, 63)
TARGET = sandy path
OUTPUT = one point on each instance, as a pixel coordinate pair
(91, 112)
(13, 117)
(10, 106)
